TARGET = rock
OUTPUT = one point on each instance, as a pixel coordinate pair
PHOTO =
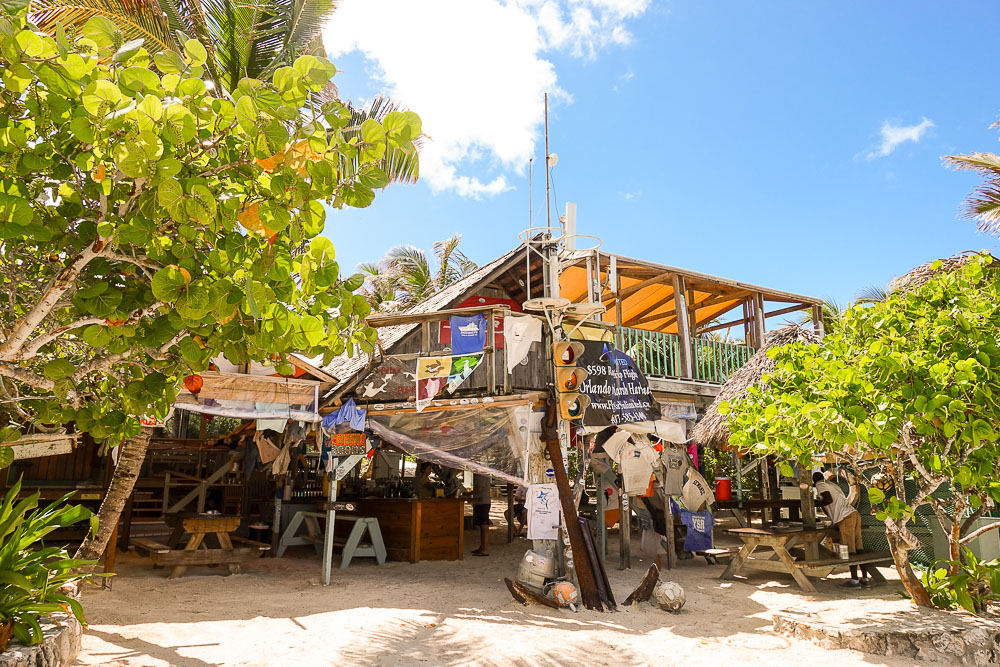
(59, 647)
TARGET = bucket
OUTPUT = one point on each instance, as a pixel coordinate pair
(723, 488)
(259, 532)
(535, 568)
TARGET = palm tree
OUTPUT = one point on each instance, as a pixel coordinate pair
(405, 276)
(983, 203)
(250, 38)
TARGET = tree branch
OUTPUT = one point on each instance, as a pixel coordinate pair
(27, 377)
(979, 531)
(63, 282)
(38, 343)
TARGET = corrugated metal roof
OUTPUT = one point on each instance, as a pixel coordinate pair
(344, 368)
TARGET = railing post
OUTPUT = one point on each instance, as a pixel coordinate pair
(684, 343)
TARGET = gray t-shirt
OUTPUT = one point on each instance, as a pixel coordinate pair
(481, 490)
(839, 509)
(674, 465)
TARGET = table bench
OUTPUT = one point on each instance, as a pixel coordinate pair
(352, 547)
(196, 552)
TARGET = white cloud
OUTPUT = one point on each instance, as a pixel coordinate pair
(893, 135)
(475, 71)
(623, 78)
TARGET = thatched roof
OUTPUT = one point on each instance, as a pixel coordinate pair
(924, 272)
(713, 430)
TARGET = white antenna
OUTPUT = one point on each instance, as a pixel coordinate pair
(531, 161)
(569, 226)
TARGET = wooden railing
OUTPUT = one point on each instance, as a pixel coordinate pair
(654, 353)
(658, 354)
(716, 360)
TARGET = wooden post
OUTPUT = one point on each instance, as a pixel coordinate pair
(624, 526)
(668, 520)
(765, 490)
(808, 511)
(510, 513)
(584, 568)
(425, 338)
(126, 534)
(491, 370)
(758, 318)
(683, 328)
(602, 527)
(818, 325)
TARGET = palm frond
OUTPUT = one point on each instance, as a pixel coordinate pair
(136, 18)
(400, 166)
(305, 22)
(987, 164)
(871, 294)
(983, 205)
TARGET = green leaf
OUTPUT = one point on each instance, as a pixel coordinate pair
(195, 52)
(169, 62)
(127, 50)
(29, 43)
(312, 328)
(876, 496)
(57, 369)
(96, 335)
(101, 97)
(15, 210)
(102, 30)
(6, 456)
(246, 114)
(170, 193)
(169, 283)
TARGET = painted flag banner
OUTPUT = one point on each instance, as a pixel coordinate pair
(461, 368)
(468, 334)
(432, 376)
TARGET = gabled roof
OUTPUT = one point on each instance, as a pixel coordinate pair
(344, 368)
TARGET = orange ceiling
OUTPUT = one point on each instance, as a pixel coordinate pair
(652, 307)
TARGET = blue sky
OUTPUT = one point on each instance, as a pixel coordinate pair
(739, 139)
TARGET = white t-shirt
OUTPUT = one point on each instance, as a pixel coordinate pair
(839, 509)
(637, 461)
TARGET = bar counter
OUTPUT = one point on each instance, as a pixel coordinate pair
(415, 530)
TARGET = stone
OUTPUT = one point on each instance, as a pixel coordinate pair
(59, 647)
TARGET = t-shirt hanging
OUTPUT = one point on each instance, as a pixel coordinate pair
(675, 464)
(519, 332)
(699, 530)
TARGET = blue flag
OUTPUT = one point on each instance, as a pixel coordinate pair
(468, 334)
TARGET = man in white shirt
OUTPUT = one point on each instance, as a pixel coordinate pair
(846, 518)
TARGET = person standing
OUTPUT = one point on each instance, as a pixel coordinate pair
(846, 519)
(423, 486)
(481, 503)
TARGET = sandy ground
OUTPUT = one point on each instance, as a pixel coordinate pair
(450, 613)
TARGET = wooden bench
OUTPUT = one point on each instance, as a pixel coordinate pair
(352, 547)
(195, 552)
(827, 566)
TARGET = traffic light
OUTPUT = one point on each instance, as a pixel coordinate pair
(569, 378)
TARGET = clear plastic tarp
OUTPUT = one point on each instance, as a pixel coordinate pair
(489, 440)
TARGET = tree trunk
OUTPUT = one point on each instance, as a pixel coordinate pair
(955, 535)
(900, 555)
(122, 482)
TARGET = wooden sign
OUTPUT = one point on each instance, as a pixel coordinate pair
(40, 448)
(392, 380)
(348, 444)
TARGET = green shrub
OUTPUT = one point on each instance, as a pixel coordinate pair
(974, 584)
(31, 573)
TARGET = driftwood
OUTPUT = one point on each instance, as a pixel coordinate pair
(645, 588)
(526, 596)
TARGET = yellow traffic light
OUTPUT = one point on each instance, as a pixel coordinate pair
(569, 378)
(566, 353)
(573, 405)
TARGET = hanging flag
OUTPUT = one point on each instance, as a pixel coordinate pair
(468, 334)
(432, 376)
(520, 331)
(461, 368)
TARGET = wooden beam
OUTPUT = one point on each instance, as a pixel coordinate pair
(684, 333)
(818, 324)
(724, 325)
(632, 289)
(710, 300)
(419, 318)
(789, 309)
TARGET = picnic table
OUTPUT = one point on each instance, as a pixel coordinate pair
(745, 507)
(781, 541)
(196, 552)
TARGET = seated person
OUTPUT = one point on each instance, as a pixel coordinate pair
(520, 511)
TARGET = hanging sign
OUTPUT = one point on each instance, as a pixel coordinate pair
(348, 444)
(432, 376)
(618, 391)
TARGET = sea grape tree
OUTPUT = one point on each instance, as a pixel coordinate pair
(149, 223)
(912, 384)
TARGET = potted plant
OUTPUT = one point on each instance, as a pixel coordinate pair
(32, 575)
